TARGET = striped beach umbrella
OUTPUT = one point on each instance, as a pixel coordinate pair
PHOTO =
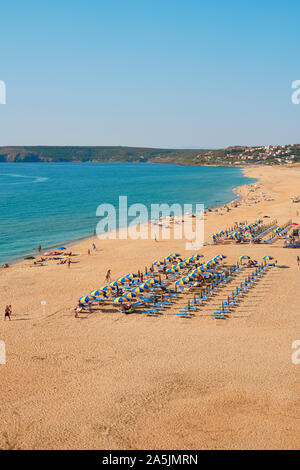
(244, 257)
(186, 278)
(129, 295)
(106, 288)
(183, 264)
(171, 270)
(137, 290)
(268, 258)
(176, 267)
(115, 283)
(120, 300)
(181, 282)
(96, 293)
(158, 263)
(144, 285)
(130, 276)
(122, 279)
(85, 299)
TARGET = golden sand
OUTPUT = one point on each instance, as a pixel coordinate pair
(111, 381)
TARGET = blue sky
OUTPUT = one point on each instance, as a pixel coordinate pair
(159, 73)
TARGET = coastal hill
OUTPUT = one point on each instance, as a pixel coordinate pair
(236, 155)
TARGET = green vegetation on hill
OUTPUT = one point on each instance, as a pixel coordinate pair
(98, 154)
(238, 155)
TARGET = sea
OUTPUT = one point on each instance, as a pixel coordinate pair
(53, 204)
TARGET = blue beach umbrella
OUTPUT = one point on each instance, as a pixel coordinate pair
(144, 285)
(137, 290)
(85, 299)
(129, 295)
(120, 300)
(96, 293)
(106, 288)
(130, 276)
(115, 283)
(183, 264)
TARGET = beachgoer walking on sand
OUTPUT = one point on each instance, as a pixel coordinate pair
(89, 251)
(108, 276)
(39, 248)
(77, 309)
(142, 277)
(298, 260)
(94, 247)
(69, 263)
(7, 312)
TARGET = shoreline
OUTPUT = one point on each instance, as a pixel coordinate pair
(93, 237)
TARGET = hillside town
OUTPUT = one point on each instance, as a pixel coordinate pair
(240, 155)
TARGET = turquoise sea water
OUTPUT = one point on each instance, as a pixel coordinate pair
(53, 203)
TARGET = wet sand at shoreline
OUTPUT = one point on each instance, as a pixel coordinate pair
(134, 382)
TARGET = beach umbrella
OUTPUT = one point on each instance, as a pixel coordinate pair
(244, 257)
(122, 279)
(96, 293)
(120, 300)
(268, 258)
(106, 288)
(174, 255)
(158, 263)
(130, 276)
(147, 285)
(85, 299)
(192, 277)
(171, 270)
(137, 290)
(144, 285)
(176, 267)
(129, 295)
(183, 264)
(181, 282)
(115, 283)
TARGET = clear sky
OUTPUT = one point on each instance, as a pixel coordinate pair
(159, 73)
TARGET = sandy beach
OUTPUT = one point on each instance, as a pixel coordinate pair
(112, 381)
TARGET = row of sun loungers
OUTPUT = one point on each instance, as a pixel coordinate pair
(238, 294)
